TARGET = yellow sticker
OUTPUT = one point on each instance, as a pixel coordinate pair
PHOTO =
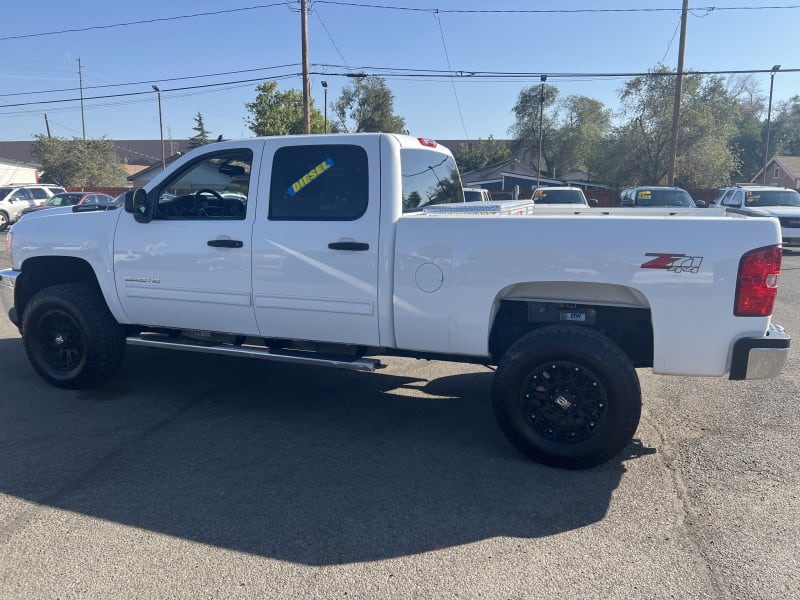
(539, 194)
(644, 194)
(310, 176)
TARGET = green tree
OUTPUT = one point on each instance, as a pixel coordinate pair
(78, 162)
(525, 129)
(201, 137)
(484, 153)
(640, 146)
(583, 123)
(280, 113)
(367, 105)
(784, 135)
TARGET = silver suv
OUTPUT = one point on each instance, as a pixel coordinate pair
(16, 198)
(765, 201)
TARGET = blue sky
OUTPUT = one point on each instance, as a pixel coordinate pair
(259, 42)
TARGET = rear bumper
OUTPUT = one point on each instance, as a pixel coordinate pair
(8, 282)
(761, 357)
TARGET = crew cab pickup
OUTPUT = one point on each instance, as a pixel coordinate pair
(337, 250)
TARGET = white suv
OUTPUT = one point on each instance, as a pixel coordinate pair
(16, 198)
(765, 201)
(561, 196)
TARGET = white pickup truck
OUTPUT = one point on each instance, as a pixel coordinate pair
(336, 250)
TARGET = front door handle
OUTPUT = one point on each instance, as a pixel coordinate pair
(225, 243)
(357, 246)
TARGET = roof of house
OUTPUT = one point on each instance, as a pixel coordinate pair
(19, 163)
(510, 166)
(789, 164)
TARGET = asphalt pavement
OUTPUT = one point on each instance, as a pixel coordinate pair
(192, 476)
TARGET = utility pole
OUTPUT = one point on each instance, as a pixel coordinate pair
(772, 72)
(541, 118)
(47, 126)
(80, 82)
(306, 82)
(676, 107)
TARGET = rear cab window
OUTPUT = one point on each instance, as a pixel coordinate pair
(429, 178)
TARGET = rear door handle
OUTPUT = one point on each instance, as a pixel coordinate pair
(357, 246)
(225, 243)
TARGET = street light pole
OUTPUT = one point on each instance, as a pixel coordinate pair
(161, 128)
(774, 70)
(541, 117)
(325, 87)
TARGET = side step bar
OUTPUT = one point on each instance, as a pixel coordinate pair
(308, 358)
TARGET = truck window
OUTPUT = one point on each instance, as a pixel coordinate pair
(213, 187)
(429, 178)
(319, 183)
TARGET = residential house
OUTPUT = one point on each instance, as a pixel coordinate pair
(783, 171)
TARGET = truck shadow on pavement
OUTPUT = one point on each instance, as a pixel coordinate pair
(303, 464)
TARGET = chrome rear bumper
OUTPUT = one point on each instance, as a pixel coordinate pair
(762, 357)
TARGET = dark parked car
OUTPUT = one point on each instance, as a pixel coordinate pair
(72, 199)
(657, 196)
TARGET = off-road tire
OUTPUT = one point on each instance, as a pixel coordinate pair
(71, 338)
(567, 396)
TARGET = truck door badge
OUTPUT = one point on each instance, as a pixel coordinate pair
(677, 263)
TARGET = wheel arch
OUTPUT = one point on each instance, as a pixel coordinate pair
(40, 272)
(620, 312)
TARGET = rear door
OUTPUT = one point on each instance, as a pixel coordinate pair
(315, 242)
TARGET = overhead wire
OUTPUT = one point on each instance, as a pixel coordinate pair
(707, 9)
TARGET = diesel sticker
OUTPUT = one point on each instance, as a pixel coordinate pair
(310, 176)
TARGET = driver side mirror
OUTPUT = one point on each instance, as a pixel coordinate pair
(593, 202)
(700, 203)
(137, 203)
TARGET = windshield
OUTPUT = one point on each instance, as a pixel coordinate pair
(546, 196)
(429, 177)
(473, 195)
(670, 197)
(63, 200)
(771, 198)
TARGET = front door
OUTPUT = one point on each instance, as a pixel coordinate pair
(189, 267)
(315, 244)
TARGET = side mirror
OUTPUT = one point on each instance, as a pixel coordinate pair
(137, 203)
(593, 202)
(700, 203)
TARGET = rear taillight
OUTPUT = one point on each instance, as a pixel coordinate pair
(427, 142)
(757, 282)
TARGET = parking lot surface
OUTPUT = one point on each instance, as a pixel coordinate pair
(193, 476)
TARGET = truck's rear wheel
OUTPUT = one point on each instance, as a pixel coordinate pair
(567, 397)
(70, 337)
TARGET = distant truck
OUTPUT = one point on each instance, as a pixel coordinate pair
(476, 195)
(335, 250)
(561, 196)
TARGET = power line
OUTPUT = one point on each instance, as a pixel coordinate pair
(452, 80)
(150, 81)
(547, 11)
(417, 74)
(140, 22)
(707, 9)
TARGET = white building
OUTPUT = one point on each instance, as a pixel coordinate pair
(14, 172)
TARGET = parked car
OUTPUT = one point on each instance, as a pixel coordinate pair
(765, 201)
(656, 195)
(564, 195)
(14, 199)
(476, 195)
(72, 199)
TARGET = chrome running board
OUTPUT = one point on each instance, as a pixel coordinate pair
(308, 358)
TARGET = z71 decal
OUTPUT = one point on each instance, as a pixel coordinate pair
(677, 263)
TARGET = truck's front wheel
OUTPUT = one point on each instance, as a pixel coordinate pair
(70, 337)
(567, 397)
